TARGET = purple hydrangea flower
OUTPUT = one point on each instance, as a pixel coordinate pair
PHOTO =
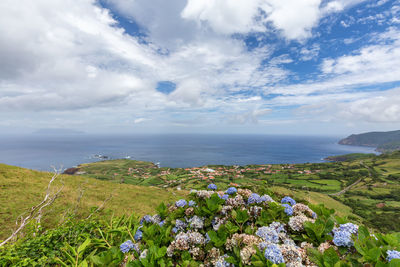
(212, 187)
(288, 209)
(274, 254)
(289, 200)
(126, 246)
(254, 198)
(138, 235)
(181, 203)
(231, 190)
(392, 254)
(192, 203)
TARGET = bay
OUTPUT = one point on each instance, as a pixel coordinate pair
(40, 152)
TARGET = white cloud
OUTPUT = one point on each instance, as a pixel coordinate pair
(140, 120)
(248, 116)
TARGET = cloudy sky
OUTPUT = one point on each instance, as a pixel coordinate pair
(221, 66)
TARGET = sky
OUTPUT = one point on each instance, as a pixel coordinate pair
(310, 67)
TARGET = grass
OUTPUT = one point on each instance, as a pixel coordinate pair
(22, 188)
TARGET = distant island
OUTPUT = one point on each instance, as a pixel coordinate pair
(383, 141)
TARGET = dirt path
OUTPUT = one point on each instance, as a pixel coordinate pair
(344, 190)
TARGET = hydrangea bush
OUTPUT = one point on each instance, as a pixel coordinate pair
(236, 227)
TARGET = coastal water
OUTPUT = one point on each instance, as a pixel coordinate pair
(170, 150)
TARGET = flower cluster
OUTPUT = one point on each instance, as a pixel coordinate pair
(343, 234)
(274, 254)
(212, 187)
(216, 228)
(392, 254)
(288, 209)
(289, 200)
(181, 203)
(231, 191)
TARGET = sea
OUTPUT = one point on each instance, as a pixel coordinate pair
(43, 152)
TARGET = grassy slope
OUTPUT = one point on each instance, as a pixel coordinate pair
(20, 189)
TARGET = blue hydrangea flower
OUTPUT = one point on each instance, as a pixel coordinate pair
(181, 203)
(174, 230)
(274, 254)
(146, 218)
(254, 198)
(181, 225)
(126, 246)
(208, 239)
(349, 227)
(288, 209)
(342, 239)
(212, 187)
(138, 235)
(192, 203)
(279, 227)
(231, 190)
(392, 254)
(289, 200)
(161, 223)
(268, 234)
(314, 215)
(224, 197)
(266, 198)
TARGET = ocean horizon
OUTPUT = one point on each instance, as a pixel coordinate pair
(41, 152)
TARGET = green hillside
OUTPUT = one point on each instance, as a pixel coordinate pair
(21, 189)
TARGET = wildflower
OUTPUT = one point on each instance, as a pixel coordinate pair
(180, 203)
(212, 187)
(274, 254)
(288, 209)
(289, 200)
(126, 246)
(254, 198)
(342, 239)
(138, 235)
(231, 190)
(192, 203)
(392, 254)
